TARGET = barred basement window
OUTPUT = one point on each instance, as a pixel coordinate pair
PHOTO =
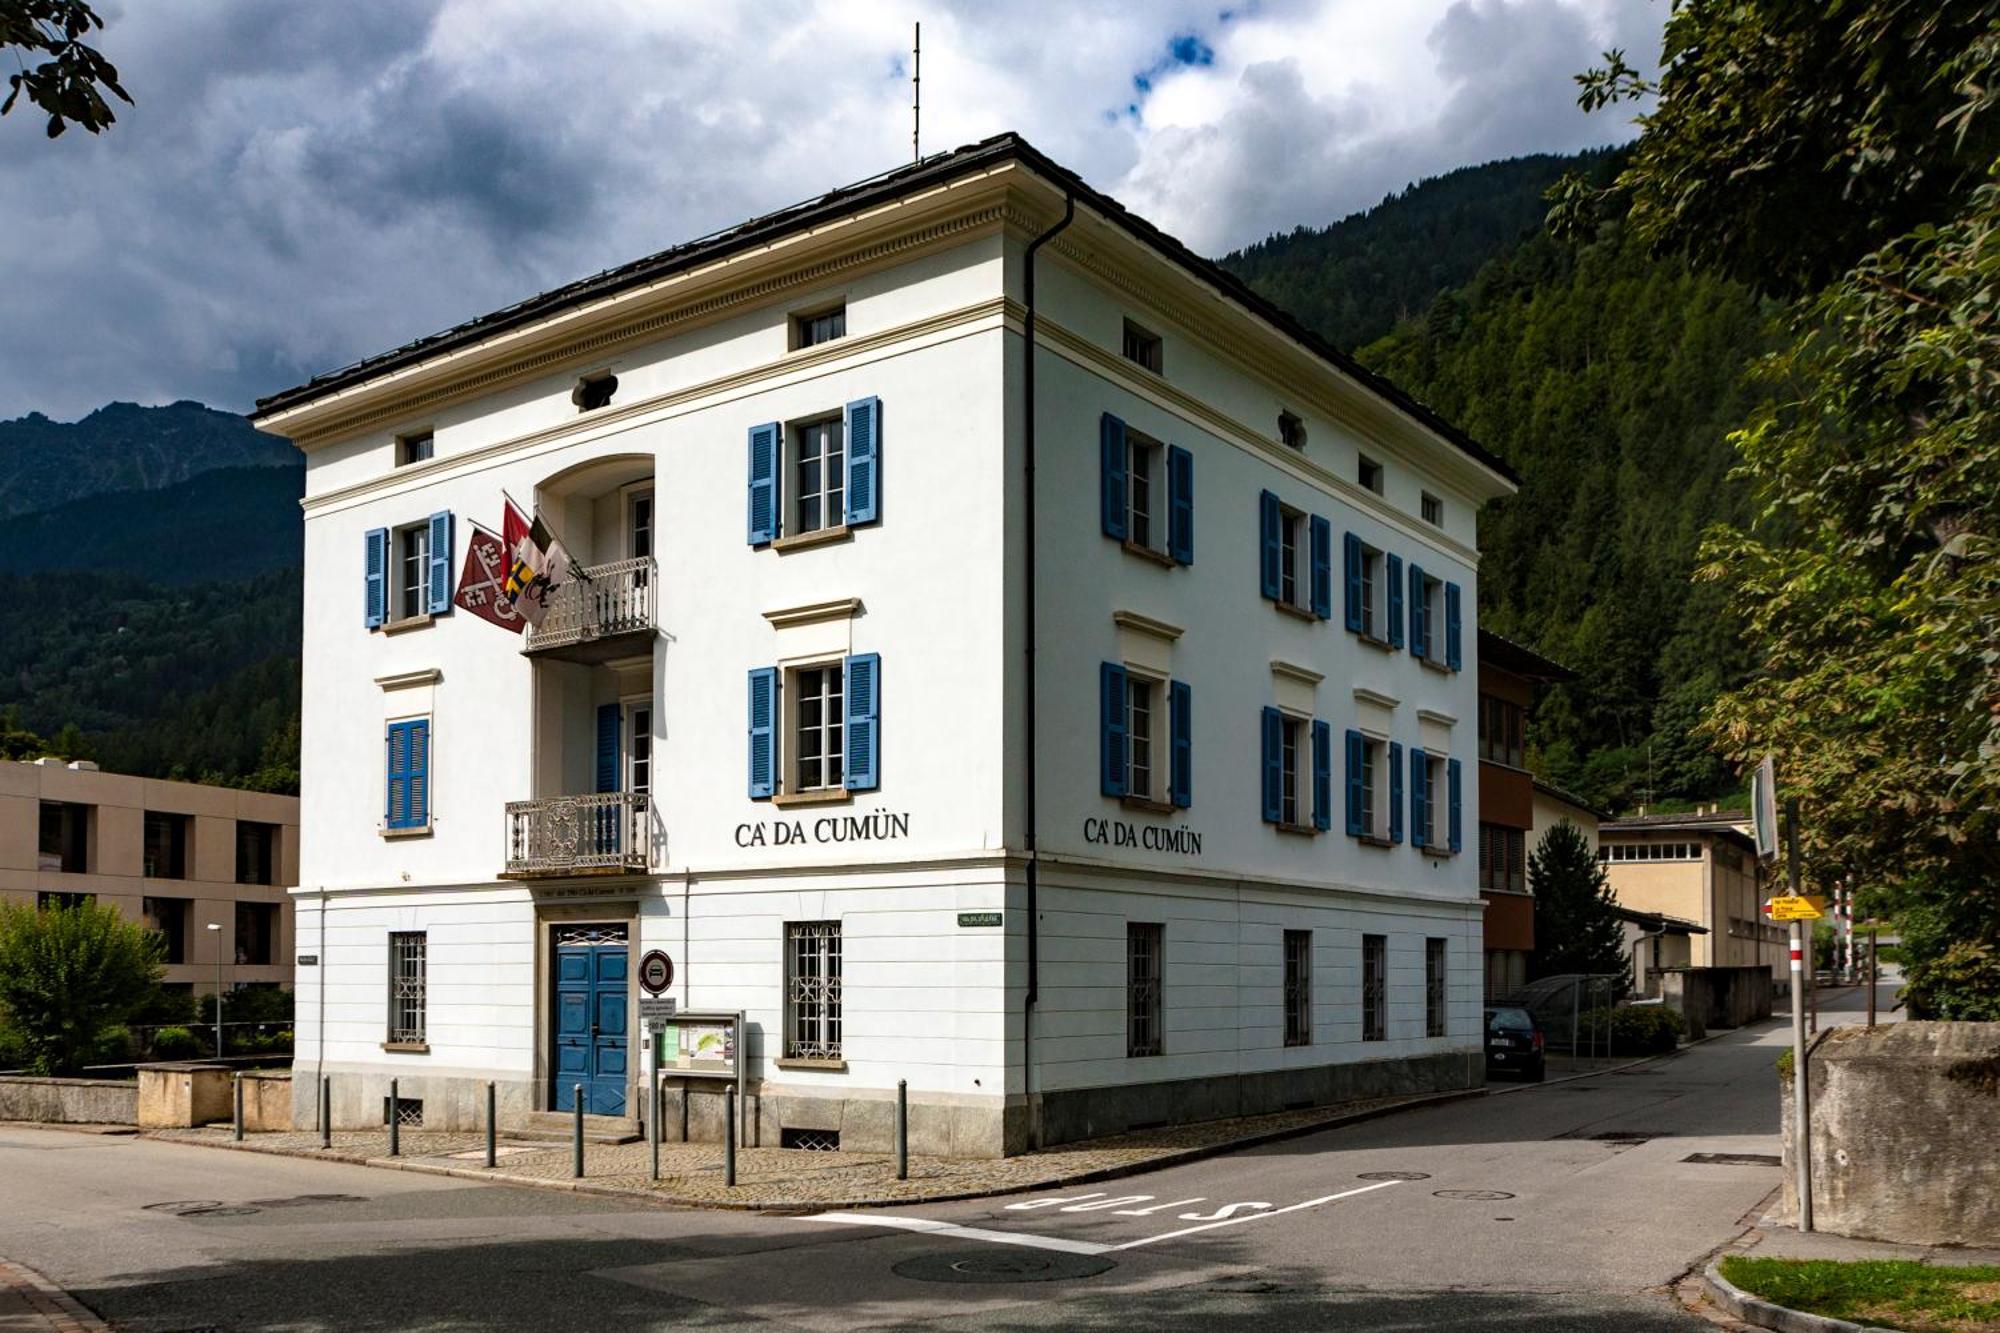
(1145, 943)
(1298, 988)
(812, 990)
(1434, 992)
(1374, 988)
(408, 980)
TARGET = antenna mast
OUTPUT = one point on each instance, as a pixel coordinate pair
(917, 97)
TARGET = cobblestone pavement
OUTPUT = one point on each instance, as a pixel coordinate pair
(789, 1178)
(30, 1303)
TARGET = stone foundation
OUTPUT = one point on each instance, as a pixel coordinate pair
(68, 1101)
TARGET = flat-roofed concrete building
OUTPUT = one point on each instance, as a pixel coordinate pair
(179, 856)
(1700, 868)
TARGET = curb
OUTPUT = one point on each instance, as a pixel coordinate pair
(1755, 1310)
(60, 1310)
(797, 1207)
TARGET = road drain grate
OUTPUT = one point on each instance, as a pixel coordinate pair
(1002, 1266)
(1393, 1175)
(1733, 1159)
(1477, 1196)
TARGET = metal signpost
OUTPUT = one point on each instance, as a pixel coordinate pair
(1798, 910)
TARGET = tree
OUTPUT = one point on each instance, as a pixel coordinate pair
(69, 973)
(67, 84)
(1576, 918)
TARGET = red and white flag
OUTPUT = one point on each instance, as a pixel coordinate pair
(480, 586)
(537, 563)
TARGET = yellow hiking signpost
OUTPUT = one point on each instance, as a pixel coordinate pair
(1796, 909)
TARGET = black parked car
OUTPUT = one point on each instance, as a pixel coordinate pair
(1514, 1044)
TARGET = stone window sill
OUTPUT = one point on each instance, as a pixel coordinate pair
(823, 1066)
(422, 831)
(407, 1047)
(1148, 804)
(1296, 612)
(831, 796)
(1376, 641)
(408, 623)
(1370, 840)
(1148, 553)
(819, 537)
(1297, 830)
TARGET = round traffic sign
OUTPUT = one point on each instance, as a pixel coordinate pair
(656, 972)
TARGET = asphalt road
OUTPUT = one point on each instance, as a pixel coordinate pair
(1554, 1207)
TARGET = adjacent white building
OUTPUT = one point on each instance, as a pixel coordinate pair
(1087, 740)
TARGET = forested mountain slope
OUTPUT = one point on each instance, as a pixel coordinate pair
(124, 447)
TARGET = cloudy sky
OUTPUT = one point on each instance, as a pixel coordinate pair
(303, 184)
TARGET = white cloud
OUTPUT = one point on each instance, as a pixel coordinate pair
(298, 187)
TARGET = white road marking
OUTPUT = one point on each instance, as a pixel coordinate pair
(1157, 1208)
(1256, 1217)
(1227, 1210)
(1107, 1203)
(1033, 1204)
(958, 1232)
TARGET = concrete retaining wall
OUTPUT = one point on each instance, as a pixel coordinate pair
(68, 1101)
(1716, 997)
(1905, 1133)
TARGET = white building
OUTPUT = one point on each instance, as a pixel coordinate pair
(1055, 735)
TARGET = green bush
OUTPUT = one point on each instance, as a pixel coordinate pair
(13, 1048)
(178, 1044)
(1962, 983)
(1634, 1030)
(115, 1046)
(67, 974)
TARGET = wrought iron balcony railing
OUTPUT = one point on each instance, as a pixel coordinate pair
(604, 833)
(599, 604)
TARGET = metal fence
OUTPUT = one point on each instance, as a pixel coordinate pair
(1562, 1007)
(598, 602)
(563, 834)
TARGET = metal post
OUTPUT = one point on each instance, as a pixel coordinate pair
(576, 1136)
(325, 1112)
(1575, 1003)
(395, 1122)
(1801, 1083)
(236, 1126)
(492, 1127)
(653, 1122)
(729, 1136)
(1873, 980)
(902, 1129)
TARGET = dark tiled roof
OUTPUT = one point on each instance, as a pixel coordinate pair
(1568, 796)
(1688, 819)
(850, 199)
(1520, 660)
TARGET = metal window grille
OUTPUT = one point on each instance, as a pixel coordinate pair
(821, 712)
(1434, 992)
(1374, 988)
(1138, 736)
(1144, 946)
(810, 1140)
(1298, 988)
(822, 471)
(812, 990)
(408, 977)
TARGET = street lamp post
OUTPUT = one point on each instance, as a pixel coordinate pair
(215, 930)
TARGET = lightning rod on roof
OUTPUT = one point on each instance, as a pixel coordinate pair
(917, 96)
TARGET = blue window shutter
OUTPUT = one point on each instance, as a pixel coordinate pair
(764, 482)
(1180, 504)
(420, 773)
(864, 453)
(1322, 567)
(1111, 475)
(1180, 720)
(1395, 791)
(1420, 629)
(1394, 580)
(376, 564)
(440, 570)
(1270, 556)
(406, 802)
(1452, 781)
(763, 731)
(1451, 626)
(1322, 735)
(1274, 771)
(863, 677)
(396, 769)
(1357, 755)
(1350, 572)
(1111, 720)
(610, 722)
(1420, 770)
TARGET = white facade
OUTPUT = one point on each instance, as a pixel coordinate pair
(931, 275)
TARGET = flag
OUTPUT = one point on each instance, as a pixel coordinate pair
(479, 587)
(537, 563)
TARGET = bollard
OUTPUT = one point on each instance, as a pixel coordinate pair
(491, 1131)
(395, 1122)
(236, 1126)
(325, 1112)
(653, 1124)
(902, 1129)
(729, 1136)
(576, 1152)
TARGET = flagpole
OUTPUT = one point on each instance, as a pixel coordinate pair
(535, 515)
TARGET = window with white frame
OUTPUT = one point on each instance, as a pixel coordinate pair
(821, 326)
(1141, 715)
(1143, 347)
(411, 584)
(819, 471)
(1145, 492)
(812, 990)
(1291, 754)
(1437, 812)
(639, 523)
(408, 981)
(639, 747)
(1374, 988)
(1145, 948)
(1374, 602)
(1369, 473)
(818, 711)
(1433, 510)
(1431, 591)
(1298, 988)
(416, 448)
(1374, 788)
(1649, 851)
(1435, 995)
(1294, 574)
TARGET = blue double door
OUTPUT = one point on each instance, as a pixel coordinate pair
(592, 1027)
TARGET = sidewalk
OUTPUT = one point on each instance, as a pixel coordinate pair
(1771, 1241)
(790, 1179)
(30, 1303)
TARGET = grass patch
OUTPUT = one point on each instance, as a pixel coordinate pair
(1896, 1293)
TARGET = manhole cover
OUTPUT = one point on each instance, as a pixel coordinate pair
(178, 1206)
(1393, 1175)
(238, 1210)
(1734, 1159)
(1483, 1196)
(1002, 1266)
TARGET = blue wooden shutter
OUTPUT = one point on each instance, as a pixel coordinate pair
(1394, 582)
(1269, 517)
(1420, 625)
(1395, 791)
(1451, 626)
(1273, 767)
(420, 773)
(1322, 567)
(1180, 720)
(1357, 755)
(764, 482)
(1180, 504)
(375, 600)
(610, 722)
(396, 769)
(440, 570)
(864, 469)
(1452, 782)
(864, 722)
(763, 731)
(1420, 773)
(1111, 728)
(1350, 571)
(406, 802)
(1322, 735)
(1111, 475)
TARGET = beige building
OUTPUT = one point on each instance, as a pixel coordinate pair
(179, 856)
(1552, 806)
(1699, 868)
